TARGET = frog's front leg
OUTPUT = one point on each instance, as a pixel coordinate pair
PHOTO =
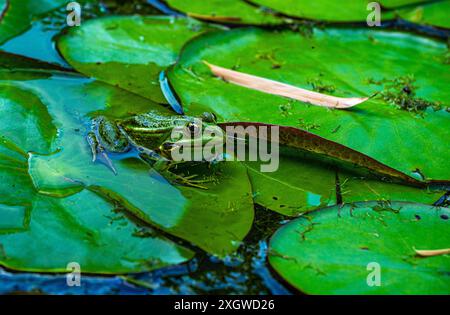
(105, 137)
(97, 148)
(162, 165)
(156, 161)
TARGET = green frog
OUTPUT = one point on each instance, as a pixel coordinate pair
(150, 136)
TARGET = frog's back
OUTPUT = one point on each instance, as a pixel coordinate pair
(150, 129)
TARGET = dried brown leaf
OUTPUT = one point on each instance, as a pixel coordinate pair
(325, 149)
(432, 252)
(283, 89)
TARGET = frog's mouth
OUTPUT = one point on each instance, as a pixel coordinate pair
(192, 145)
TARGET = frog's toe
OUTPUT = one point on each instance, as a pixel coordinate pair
(191, 182)
(98, 152)
(108, 162)
(104, 158)
(93, 144)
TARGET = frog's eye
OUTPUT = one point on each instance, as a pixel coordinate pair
(193, 129)
(209, 117)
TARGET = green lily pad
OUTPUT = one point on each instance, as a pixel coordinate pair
(354, 188)
(30, 126)
(398, 3)
(49, 233)
(16, 15)
(346, 62)
(43, 234)
(229, 11)
(59, 172)
(434, 13)
(129, 51)
(40, 233)
(301, 185)
(325, 253)
(417, 11)
(216, 219)
(296, 187)
(324, 10)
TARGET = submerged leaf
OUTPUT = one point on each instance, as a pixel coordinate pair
(323, 10)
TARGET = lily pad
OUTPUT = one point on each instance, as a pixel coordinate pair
(417, 11)
(399, 3)
(59, 172)
(302, 185)
(40, 233)
(347, 62)
(296, 187)
(335, 251)
(129, 51)
(324, 10)
(229, 11)
(49, 233)
(16, 15)
(434, 13)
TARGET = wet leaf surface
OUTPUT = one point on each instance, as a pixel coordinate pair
(325, 10)
(301, 184)
(228, 12)
(335, 251)
(138, 48)
(16, 15)
(434, 13)
(294, 59)
(49, 183)
(44, 233)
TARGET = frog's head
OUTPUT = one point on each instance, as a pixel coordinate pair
(191, 133)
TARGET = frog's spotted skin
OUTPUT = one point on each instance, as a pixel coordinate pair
(150, 130)
(112, 138)
(150, 135)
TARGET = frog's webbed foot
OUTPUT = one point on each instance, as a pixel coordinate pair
(187, 180)
(97, 149)
(153, 159)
